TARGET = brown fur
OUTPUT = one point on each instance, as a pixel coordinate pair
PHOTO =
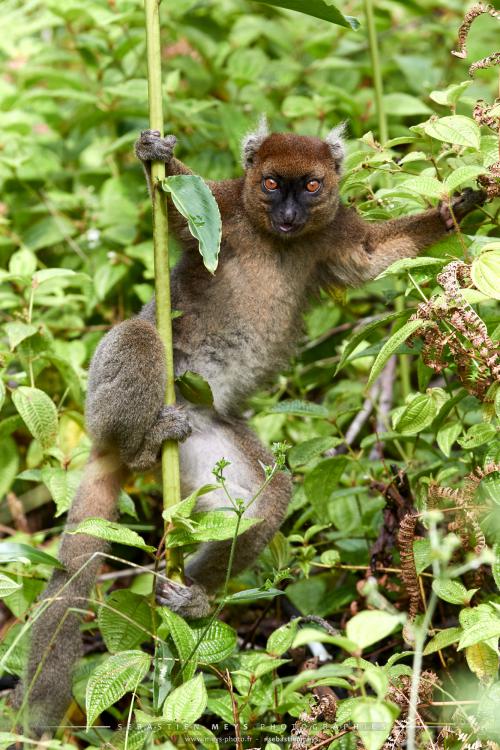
(237, 329)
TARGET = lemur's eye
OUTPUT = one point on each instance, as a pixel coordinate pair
(270, 184)
(313, 186)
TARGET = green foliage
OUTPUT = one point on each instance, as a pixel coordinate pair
(76, 257)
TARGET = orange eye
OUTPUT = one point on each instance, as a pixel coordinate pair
(313, 186)
(270, 184)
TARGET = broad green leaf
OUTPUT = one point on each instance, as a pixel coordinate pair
(62, 485)
(479, 632)
(364, 333)
(443, 639)
(450, 95)
(7, 586)
(447, 435)
(398, 104)
(496, 565)
(120, 674)
(111, 532)
(483, 661)
(463, 174)
(485, 272)
(374, 720)
(392, 345)
(15, 552)
(106, 277)
(194, 200)
(38, 412)
(455, 129)
(417, 415)
(186, 506)
(323, 9)
(430, 187)
(210, 526)
(450, 591)
(323, 480)
(371, 625)
(303, 452)
(125, 620)
(217, 643)
(281, 639)
(9, 455)
(299, 409)
(184, 639)
(409, 264)
(17, 332)
(186, 703)
(477, 435)
(253, 595)
(49, 274)
(22, 263)
(195, 388)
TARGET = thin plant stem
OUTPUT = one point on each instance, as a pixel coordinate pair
(170, 449)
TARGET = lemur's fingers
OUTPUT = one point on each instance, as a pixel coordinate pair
(187, 601)
(173, 423)
(150, 146)
(461, 205)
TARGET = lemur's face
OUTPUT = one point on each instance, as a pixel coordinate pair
(292, 187)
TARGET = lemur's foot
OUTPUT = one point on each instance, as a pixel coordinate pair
(461, 205)
(172, 424)
(150, 146)
(187, 601)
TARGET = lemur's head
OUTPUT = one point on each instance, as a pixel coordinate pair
(291, 181)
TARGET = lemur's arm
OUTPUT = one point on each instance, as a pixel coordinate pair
(362, 250)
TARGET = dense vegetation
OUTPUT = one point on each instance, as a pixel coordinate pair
(389, 411)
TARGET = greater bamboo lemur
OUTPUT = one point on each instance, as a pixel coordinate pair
(285, 235)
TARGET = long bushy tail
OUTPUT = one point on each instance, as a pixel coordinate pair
(55, 640)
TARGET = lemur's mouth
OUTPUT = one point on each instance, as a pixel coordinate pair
(287, 228)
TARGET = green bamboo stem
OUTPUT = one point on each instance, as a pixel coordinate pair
(383, 136)
(170, 449)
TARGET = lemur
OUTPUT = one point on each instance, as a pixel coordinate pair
(285, 235)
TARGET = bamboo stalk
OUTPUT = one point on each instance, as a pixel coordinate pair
(170, 449)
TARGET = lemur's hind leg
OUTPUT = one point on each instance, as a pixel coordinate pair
(211, 440)
(125, 405)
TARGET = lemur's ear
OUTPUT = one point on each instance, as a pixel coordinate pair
(253, 141)
(336, 144)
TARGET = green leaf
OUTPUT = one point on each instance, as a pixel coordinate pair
(106, 277)
(186, 506)
(374, 720)
(450, 95)
(15, 552)
(323, 480)
(495, 568)
(184, 639)
(125, 620)
(186, 703)
(483, 661)
(425, 185)
(17, 332)
(303, 452)
(38, 412)
(450, 591)
(459, 176)
(253, 595)
(477, 435)
(398, 104)
(392, 345)
(480, 631)
(456, 129)
(485, 272)
(364, 333)
(22, 263)
(194, 200)
(9, 455)
(209, 526)
(62, 485)
(447, 435)
(111, 532)
(218, 642)
(409, 264)
(8, 586)
(118, 675)
(371, 625)
(443, 639)
(323, 9)
(195, 388)
(299, 408)
(417, 415)
(281, 639)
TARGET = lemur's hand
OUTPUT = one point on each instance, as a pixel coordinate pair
(187, 601)
(150, 146)
(461, 205)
